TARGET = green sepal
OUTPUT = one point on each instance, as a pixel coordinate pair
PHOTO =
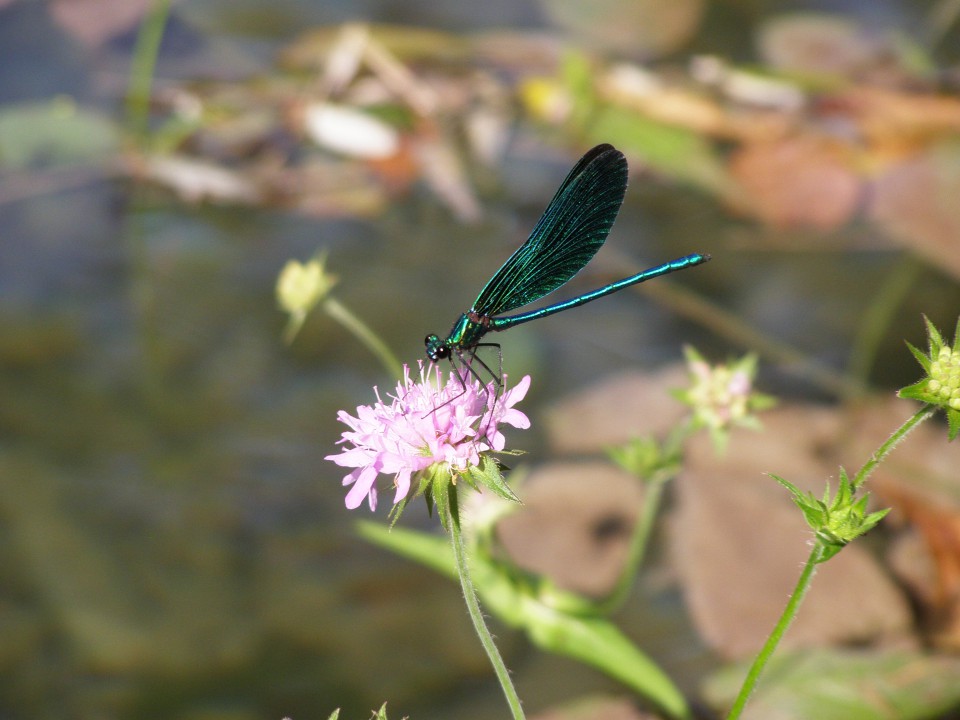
(920, 356)
(444, 495)
(835, 521)
(920, 390)
(489, 474)
(648, 459)
(381, 713)
(334, 715)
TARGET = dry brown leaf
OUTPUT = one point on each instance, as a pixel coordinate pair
(196, 180)
(615, 410)
(834, 47)
(442, 169)
(916, 203)
(740, 542)
(574, 526)
(895, 123)
(919, 480)
(640, 27)
(93, 22)
(800, 181)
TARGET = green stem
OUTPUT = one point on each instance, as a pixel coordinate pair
(816, 556)
(365, 335)
(770, 646)
(639, 541)
(141, 71)
(939, 20)
(899, 434)
(476, 615)
(652, 500)
(877, 319)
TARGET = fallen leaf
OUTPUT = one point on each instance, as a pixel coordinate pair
(196, 180)
(575, 524)
(894, 124)
(93, 22)
(834, 47)
(846, 684)
(915, 202)
(740, 542)
(443, 171)
(349, 131)
(649, 28)
(919, 481)
(798, 181)
(616, 409)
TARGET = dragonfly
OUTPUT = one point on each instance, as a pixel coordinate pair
(569, 233)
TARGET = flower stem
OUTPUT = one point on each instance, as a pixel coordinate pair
(365, 335)
(888, 299)
(141, 73)
(654, 487)
(817, 556)
(899, 434)
(770, 646)
(476, 615)
(652, 500)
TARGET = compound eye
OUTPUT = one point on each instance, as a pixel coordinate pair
(436, 349)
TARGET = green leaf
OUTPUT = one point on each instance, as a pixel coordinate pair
(54, 132)
(591, 640)
(647, 459)
(847, 685)
(599, 643)
(674, 151)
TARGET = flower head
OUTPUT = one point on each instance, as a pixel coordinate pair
(722, 396)
(300, 287)
(941, 385)
(837, 520)
(426, 425)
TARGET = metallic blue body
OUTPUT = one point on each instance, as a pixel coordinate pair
(571, 230)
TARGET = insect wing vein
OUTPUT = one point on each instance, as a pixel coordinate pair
(571, 230)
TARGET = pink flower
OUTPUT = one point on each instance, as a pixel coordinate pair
(422, 425)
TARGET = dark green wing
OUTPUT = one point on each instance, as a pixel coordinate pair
(573, 227)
